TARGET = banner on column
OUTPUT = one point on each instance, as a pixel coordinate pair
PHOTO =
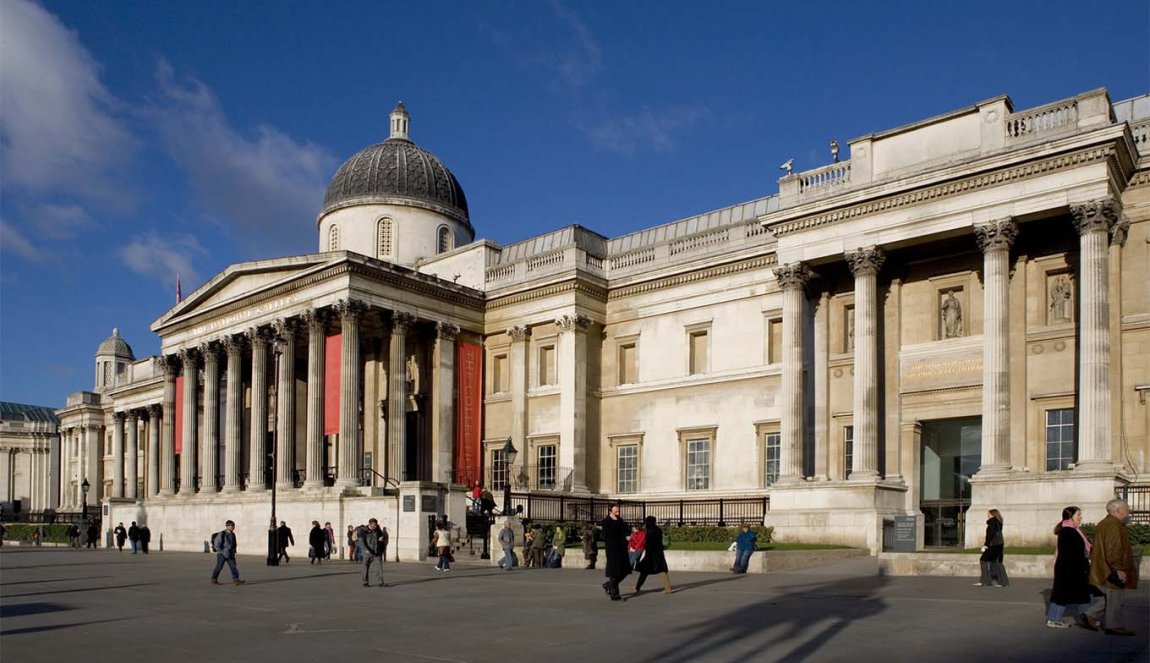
(332, 347)
(179, 418)
(468, 434)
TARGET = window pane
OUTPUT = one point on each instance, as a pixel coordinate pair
(848, 450)
(1060, 446)
(498, 469)
(698, 464)
(772, 458)
(627, 468)
(546, 468)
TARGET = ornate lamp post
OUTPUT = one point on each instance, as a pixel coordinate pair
(84, 497)
(273, 538)
(509, 454)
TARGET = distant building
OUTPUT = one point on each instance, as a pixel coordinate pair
(29, 458)
(955, 318)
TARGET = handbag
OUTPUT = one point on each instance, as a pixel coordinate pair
(1113, 579)
(450, 557)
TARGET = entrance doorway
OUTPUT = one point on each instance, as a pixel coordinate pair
(951, 453)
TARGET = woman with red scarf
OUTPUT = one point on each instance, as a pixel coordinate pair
(1071, 572)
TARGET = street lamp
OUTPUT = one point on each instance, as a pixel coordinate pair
(84, 497)
(509, 454)
(273, 539)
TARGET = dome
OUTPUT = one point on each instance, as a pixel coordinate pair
(397, 171)
(116, 346)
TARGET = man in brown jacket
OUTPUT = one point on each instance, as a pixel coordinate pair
(1112, 566)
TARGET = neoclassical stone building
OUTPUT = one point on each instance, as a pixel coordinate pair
(955, 318)
(28, 474)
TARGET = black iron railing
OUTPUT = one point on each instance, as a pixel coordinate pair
(720, 511)
(531, 477)
(1137, 495)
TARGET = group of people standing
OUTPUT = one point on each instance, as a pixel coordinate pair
(320, 542)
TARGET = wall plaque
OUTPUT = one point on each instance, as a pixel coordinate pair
(408, 503)
(429, 504)
(905, 533)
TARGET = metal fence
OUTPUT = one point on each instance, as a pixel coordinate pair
(719, 511)
(1137, 495)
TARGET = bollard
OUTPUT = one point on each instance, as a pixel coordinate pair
(207, 547)
(161, 543)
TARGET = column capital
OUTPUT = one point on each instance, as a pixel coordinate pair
(134, 414)
(155, 411)
(402, 321)
(519, 333)
(795, 275)
(349, 310)
(233, 342)
(189, 358)
(120, 417)
(316, 319)
(258, 336)
(996, 235)
(285, 327)
(865, 261)
(1096, 215)
(209, 349)
(168, 364)
(569, 323)
(446, 331)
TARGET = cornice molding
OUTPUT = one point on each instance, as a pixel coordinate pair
(691, 277)
(570, 285)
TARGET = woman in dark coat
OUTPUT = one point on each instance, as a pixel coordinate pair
(316, 543)
(1071, 572)
(993, 572)
(653, 561)
(615, 531)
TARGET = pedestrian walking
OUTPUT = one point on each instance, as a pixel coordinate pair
(353, 554)
(653, 562)
(635, 545)
(442, 546)
(590, 547)
(134, 536)
(993, 572)
(284, 538)
(316, 542)
(74, 535)
(1112, 566)
(224, 543)
(744, 548)
(487, 502)
(615, 531)
(145, 538)
(1071, 573)
(121, 535)
(507, 542)
(373, 542)
(93, 534)
(329, 543)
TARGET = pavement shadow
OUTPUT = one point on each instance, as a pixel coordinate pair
(79, 590)
(68, 579)
(676, 588)
(25, 609)
(725, 636)
(55, 627)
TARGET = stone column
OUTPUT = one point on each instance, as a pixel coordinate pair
(233, 414)
(793, 279)
(93, 463)
(520, 336)
(285, 329)
(257, 458)
(995, 239)
(132, 466)
(350, 312)
(865, 264)
(443, 402)
(118, 419)
(572, 365)
(190, 362)
(210, 439)
(152, 480)
(314, 319)
(1095, 221)
(167, 482)
(401, 323)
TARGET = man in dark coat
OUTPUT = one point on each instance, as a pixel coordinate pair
(134, 536)
(373, 542)
(615, 531)
(285, 539)
(93, 535)
(653, 561)
(145, 538)
(317, 543)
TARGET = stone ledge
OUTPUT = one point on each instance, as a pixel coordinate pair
(761, 561)
(962, 564)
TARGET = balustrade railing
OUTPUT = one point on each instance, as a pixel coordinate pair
(833, 176)
(1141, 133)
(633, 258)
(536, 263)
(699, 242)
(501, 273)
(1042, 119)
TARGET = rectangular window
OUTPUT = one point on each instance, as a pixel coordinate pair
(775, 338)
(545, 469)
(627, 468)
(547, 366)
(848, 450)
(698, 464)
(1060, 448)
(499, 377)
(771, 457)
(628, 364)
(498, 469)
(699, 346)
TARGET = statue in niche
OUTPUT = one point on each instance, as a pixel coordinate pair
(1060, 300)
(850, 339)
(412, 375)
(951, 316)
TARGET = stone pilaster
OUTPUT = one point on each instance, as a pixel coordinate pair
(118, 419)
(793, 279)
(132, 464)
(210, 438)
(401, 324)
(167, 481)
(315, 320)
(443, 402)
(1095, 221)
(285, 330)
(865, 264)
(350, 313)
(233, 413)
(258, 442)
(520, 337)
(152, 479)
(995, 239)
(189, 359)
(572, 365)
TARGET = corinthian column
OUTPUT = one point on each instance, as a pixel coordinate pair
(442, 402)
(350, 312)
(167, 482)
(314, 319)
(152, 480)
(793, 279)
(572, 357)
(210, 439)
(233, 414)
(401, 323)
(865, 264)
(1095, 221)
(132, 463)
(258, 456)
(190, 362)
(520, 336)
(118, 420)
(285, 329)
(995, 239)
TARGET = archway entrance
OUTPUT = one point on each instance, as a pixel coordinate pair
(951, 453)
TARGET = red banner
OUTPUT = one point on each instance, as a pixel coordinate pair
(179, 413)
(468, 415)
(332, 348)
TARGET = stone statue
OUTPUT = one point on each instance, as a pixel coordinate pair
(412, 375)
(1060, 300)
(850, 339)
(951, 316)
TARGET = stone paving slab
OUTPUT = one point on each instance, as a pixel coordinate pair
(62, 605)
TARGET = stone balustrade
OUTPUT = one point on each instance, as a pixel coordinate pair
(1141, 133)
(825, 179)
(1056, 117)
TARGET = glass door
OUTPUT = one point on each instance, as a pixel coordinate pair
(951, 454)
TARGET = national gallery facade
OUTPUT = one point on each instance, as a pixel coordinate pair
(954, 318)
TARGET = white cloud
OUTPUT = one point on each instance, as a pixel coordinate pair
(57, 221)
(163, 259)
(649, 128)
(265, 186)
(14, 241)
(578, 66)
(57, 120)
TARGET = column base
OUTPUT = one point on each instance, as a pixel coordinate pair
(313, 484)
(231, 490)
(1095, 466)
(257, 489)
(187, 493)
(864, 476)
(997, 469)
(789, 480)
(284, 485)
(346, 484)
(166, 492)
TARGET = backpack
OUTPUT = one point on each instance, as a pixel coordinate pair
(217, 541)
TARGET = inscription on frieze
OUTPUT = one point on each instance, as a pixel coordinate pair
(941, 370)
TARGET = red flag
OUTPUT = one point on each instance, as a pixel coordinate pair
(179, 294)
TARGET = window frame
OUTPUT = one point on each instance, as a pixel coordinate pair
(624, 376)
(763, 432)
(1064, 462)
(617, 442)
(693, 364)
(687, 436)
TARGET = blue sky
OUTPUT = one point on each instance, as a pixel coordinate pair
(142, 139)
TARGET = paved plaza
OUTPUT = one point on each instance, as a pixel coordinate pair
(63, 605)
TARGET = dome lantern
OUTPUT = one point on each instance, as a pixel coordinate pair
(400, 121)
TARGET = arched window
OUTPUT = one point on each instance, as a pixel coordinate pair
(333, 239)
(383, 238)
(445, 240)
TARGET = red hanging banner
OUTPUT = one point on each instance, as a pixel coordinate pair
(179, 423)
(468, 415)
(332, 348)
